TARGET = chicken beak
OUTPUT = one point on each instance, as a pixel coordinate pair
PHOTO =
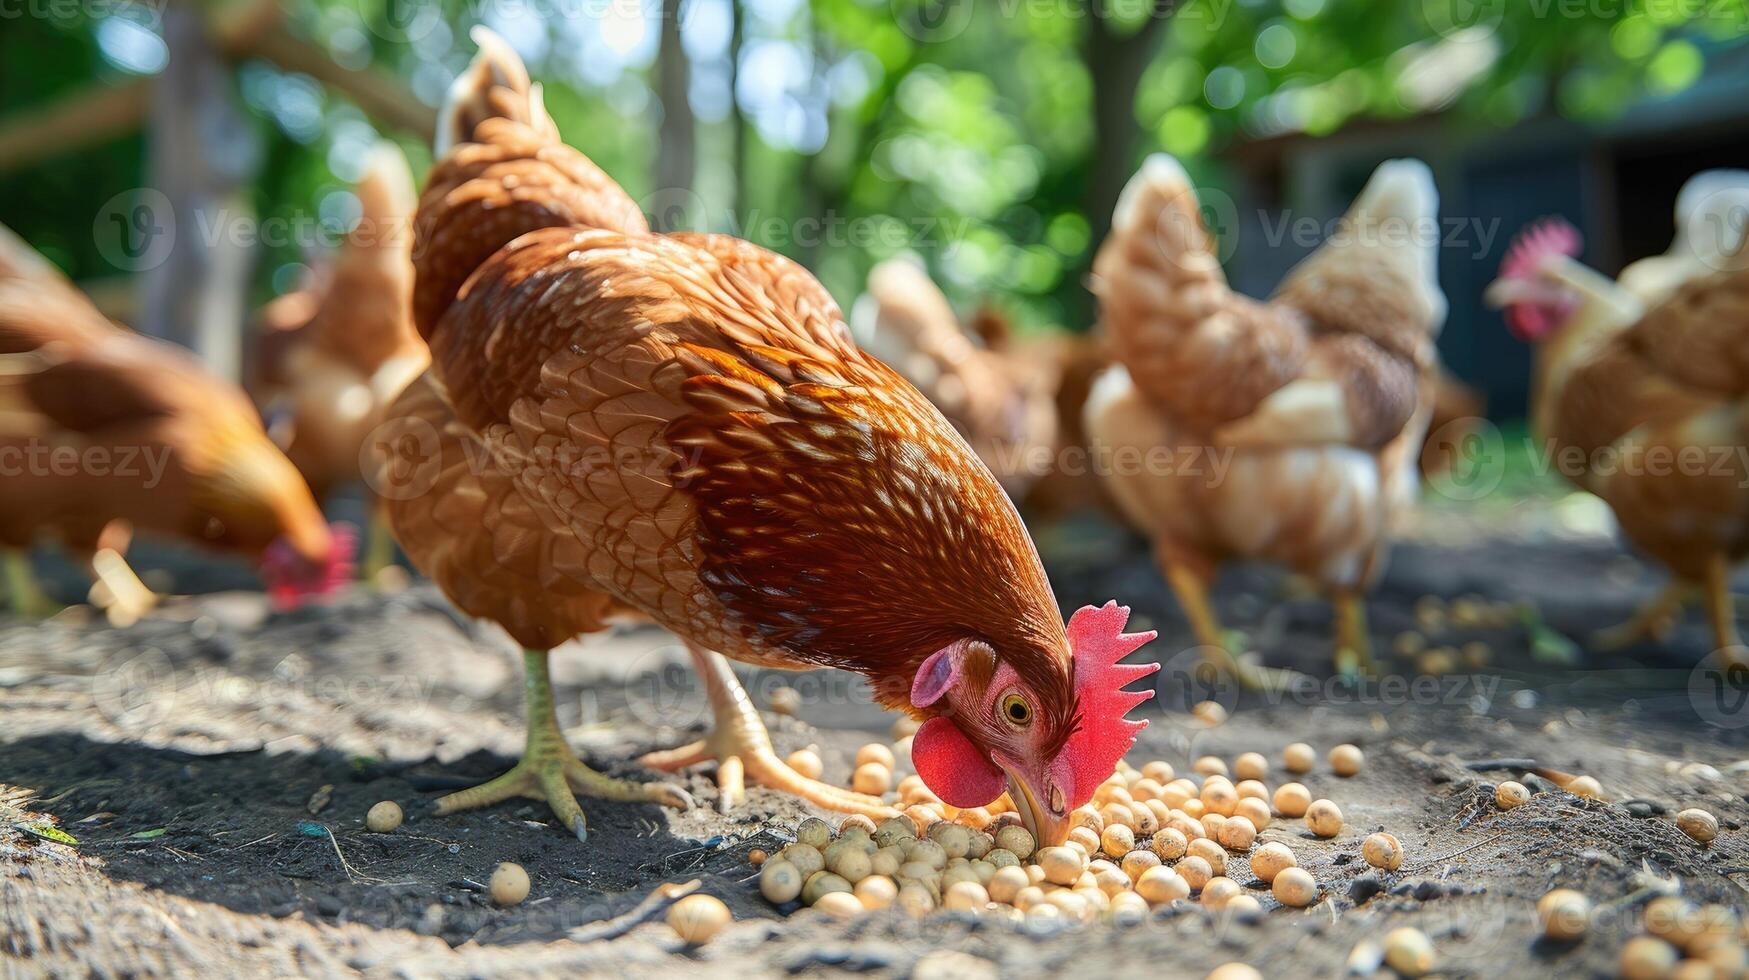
(1045, 826)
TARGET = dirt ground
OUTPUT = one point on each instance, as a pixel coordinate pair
(216, 761)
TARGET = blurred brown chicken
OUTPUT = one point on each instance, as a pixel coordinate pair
(679, 426)
(998, 396)
(1285, 430)
(103, 432)
(330, 357)
(1647, 405)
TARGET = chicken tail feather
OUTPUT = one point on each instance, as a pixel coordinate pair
(1201, 351)
(494, 86)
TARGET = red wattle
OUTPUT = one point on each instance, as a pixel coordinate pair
(953, 767)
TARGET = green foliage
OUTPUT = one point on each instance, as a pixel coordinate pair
(963, 130)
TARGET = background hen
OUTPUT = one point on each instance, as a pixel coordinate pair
(680, 425)
(104, 432)
(330, 357)
(1302, 416)
(1648, 408)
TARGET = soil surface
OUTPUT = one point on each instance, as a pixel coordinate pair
(216, 761)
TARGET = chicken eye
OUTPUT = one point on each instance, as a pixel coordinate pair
(1016, 710)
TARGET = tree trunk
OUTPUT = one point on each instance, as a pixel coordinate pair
(202, 155)
(676, 154)
(737, 122)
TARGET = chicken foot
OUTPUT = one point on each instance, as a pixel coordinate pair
(1722, 611)
(1654, 621)
(117, 590)
(379, 546)
(550, 771)
(742, 749)
(1192, 592)
(26, 596)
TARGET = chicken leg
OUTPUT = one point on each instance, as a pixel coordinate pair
(379, 549)
(742, 749)
(1654, 620)
(26, 596)
(1353, 645)
(1722, 610)
(550, 771)
(1192, 592)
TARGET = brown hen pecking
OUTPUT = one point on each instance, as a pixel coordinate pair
(330, 357)
(680, 426)
(1285, 430)
(103, 431)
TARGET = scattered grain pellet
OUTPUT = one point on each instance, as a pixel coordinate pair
(1695, 822)
(1252, 789)
(780, 882)
(1062, 866)
(383, 817)
(1209, 765)
(1128, 908)
(1270, 860)
(857, 822)
(1210, 713)
(1219, 891)
(1382, 851)
(1298, 757)
(814, 832)
(1586, 787)
(1117, 840)
(756, 857)
(876, 892)
(1254, 810)
(954, 839)
(871, 778)
(1409, 952)
(1346, 760)
(1006, 883)
(876, 752)
(1210, 851)
(1511, 795)
(785, 701)
(904, 726)
(1219, 796)
(1234, 971)
(1237, 834)
(806, 763)
(1028, 897)
(822, 884)
(1016, 840)
(1138, 861)
(1294, 887)
(1564, 914)
(806, 858)
(1158, 886)
(1243, 905)
(1169, 843)
(966, 896)
(1647, 958)
(1160, 772)
(1292, 799)
(840, 905)
(697, 919)
(1195, 871)
(1324, 818)
(1251, 765)
(1086, 838)
(509, 884)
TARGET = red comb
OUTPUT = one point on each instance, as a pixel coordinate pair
(1098, 642)
(1550, 236)
(291, 582)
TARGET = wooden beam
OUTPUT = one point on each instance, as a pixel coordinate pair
(85, 118)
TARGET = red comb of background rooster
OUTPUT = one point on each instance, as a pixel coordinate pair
(1550, 236)
(292, 581)
(1097, 638)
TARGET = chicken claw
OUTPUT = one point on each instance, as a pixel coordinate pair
(550, 771)
(1654, 621)
(118, 591)
(1192, 594)
(743, 751)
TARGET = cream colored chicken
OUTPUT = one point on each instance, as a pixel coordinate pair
(1002, 400)
(1286, 430)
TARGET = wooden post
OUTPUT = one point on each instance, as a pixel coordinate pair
(676, 159)
(202, 154)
